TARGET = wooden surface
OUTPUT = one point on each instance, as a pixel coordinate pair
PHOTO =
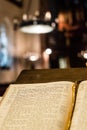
(49, 75)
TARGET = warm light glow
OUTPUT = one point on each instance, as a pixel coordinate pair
(48, 51)
(85, 55)
(33, 58)
(37, 13)
(48, 15)
(56, 20)
(37, 29)
(86, 64)
(61, 17)
(24, 16)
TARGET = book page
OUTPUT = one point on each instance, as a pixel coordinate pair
(43, 106)
(79, 120)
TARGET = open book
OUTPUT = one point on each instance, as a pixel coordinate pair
(58, 105)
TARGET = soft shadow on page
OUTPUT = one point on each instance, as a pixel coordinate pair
(0, 98)
(79, 120)
(44, 106)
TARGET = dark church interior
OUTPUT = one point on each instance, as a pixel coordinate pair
(64, 47)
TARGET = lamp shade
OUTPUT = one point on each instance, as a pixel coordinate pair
(37, 26)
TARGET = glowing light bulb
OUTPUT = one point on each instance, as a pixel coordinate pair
(48, 51)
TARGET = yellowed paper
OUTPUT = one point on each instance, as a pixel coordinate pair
(79, 120)
(43, 106)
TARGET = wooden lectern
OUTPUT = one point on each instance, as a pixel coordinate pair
(49, 75)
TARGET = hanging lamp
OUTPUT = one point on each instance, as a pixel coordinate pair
(35, 24)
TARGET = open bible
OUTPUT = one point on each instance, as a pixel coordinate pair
(60, 105)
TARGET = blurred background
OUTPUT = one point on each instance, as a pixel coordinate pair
(63, 46)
